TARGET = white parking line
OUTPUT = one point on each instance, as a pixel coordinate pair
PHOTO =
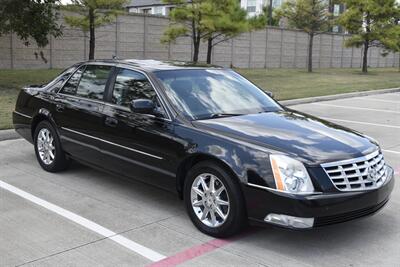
(391, 151)
(369, 109)
(362, 122)
(129, 244)
(375, 99)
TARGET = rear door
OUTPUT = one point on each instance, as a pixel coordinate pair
(78, 112)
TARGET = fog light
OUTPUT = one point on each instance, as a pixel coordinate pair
(289, 221)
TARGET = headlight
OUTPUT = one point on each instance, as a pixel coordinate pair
(290, 175)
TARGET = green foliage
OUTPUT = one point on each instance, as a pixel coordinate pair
(311, 16)
(209, 20)
(274, 21)
(372, 23)
(186, 19)
(30, 19)
(93, 14)
(104, 12)
(225, 18)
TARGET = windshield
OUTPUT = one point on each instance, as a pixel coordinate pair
(210, 93)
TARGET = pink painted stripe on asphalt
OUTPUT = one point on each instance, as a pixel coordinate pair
(191, 253)
(198, 250)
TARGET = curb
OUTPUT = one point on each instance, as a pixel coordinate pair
(9, 135)
(339, 96)
(12, 134)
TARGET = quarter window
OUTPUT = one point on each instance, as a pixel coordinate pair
(130, 85)
(72, 85)
(93, 82)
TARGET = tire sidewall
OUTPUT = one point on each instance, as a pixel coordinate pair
(236, 215)
(59, 159)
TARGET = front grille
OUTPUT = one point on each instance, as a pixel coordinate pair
(368, 172)
(348, 216)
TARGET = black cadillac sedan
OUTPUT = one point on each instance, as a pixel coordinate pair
(230, 151)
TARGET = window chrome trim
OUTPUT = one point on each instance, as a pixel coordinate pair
(111, 143)
(111, 105)
(83, 98)
(23, 115)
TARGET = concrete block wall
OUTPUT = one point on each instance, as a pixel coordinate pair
(138, 36)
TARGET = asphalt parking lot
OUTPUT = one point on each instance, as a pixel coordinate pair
(83, 217)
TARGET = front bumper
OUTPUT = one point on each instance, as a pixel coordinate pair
(325, 208)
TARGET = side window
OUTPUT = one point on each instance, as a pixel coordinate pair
(130, 85)
(55, 85)
(72, 85)
(93, 82)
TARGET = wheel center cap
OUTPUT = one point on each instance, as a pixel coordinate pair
(209, 199)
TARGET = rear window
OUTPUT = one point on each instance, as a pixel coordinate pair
(93, 82)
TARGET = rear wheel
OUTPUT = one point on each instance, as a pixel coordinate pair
(48, 149)
(214, 200)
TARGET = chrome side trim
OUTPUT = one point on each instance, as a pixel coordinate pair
(279, 191)
(261, 187)
(111, 143)
(23, 115)
(120, 157)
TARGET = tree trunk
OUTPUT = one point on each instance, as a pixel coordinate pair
(310, 51)
(196, 42)
(196, 47)
(365, 57)
(209, 50)
(92, 42)
(270, 13)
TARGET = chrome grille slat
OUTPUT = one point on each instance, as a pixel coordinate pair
(364, 173)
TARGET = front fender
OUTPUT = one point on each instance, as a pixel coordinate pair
(249, 163)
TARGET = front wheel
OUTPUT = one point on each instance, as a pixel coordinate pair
(214, 200)
(48, 149)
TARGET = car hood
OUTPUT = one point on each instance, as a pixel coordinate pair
(306, 137)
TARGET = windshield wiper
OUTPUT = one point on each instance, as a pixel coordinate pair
(220, 115)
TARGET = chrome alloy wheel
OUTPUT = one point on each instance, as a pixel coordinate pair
(210, 200)
(45, 146)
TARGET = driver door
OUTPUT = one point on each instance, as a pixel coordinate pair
(139, 145)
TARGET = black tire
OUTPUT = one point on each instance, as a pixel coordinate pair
(236, 218)
(60, 161)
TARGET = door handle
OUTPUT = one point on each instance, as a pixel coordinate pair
(60, 107)
(111, 122)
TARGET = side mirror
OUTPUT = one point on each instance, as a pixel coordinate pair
(143, 106)
(270, 94)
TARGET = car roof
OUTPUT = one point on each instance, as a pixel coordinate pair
(152, 65)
